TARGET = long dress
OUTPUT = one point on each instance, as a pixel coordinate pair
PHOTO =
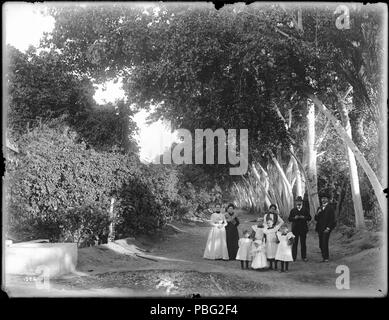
(259, 255)
(216, 247)
(271, 242)
(232, 235)
(244, 252)
(284, 249)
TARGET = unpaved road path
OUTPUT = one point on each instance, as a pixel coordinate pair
(178, 268)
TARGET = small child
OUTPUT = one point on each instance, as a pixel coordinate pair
(271, 243)
(244, 251)
(258, 229)
(284, 250)
(259, 255)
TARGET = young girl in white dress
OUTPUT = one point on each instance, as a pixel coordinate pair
(258, 229)
(216, 247)
(270, 233)
(244, 251)
(284, 250)
(259, 255)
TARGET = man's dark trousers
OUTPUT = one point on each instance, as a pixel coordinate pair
(324, 238)
(325, 219)
(303, 237)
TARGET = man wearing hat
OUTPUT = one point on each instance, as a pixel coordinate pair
(325, 223)
(299, 216)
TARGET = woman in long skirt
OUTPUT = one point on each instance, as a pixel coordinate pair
(232, 233)
(216, 247)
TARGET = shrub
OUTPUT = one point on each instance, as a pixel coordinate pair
(84, 225)
(53, 174)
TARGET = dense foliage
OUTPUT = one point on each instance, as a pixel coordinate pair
(61, 189)
(199, 68)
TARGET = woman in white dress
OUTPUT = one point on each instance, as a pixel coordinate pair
(216, 247)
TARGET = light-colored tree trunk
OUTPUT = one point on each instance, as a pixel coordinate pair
(377, 187)
(311, 159)
(301, 166)
(354, 179)
(111, 234)
(256, 174)
(383, 149)
(299, 180)
(300, 187)
(288, 187)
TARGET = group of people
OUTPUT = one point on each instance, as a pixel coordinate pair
(269, 240)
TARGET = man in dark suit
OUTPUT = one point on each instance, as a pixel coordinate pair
(299, 216)
(325, 223)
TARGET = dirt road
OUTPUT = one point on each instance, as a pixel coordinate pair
(175, 266)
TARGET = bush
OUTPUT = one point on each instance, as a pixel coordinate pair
(147, 200)
(84, 225)
(53, 174)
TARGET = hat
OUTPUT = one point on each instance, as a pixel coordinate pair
(299, 199)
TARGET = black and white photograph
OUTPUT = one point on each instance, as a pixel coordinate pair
(195, 149)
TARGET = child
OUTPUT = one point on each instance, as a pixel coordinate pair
(284, 250)
(258, 229)
(271, 243)
(259, 255)
(244, 251)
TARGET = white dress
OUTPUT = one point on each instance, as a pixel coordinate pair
(216, 247)
(258, 232)
(284, 250)
(259, 256)
(244, 251)
(271, 242)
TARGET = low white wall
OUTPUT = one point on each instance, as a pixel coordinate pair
(51, 259)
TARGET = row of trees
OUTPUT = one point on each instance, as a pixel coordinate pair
(248, 67)
(309, 93)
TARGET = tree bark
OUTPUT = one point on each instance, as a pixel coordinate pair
(311, 157)
(306, 181)
(288, 187)
(383, 150)
(377, 187)
(111, 234)
(354, 179)
(299, 183)
(256, 174)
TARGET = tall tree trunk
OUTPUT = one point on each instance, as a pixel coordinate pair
(256, 174)
(377, 187)
(299, 181)
(357, 120)
(311, 157)
(111, 232)
(339, 200)
(383, 151)
(308, 187)
(354, 179)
